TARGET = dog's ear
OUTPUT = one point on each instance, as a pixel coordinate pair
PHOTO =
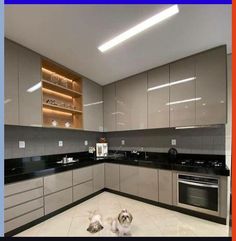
(119, 217)
(131, 217)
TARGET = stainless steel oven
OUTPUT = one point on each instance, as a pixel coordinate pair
(198, 193)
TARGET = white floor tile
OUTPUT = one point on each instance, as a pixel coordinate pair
(148, 220)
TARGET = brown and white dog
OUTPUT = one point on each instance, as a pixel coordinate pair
(122, 224)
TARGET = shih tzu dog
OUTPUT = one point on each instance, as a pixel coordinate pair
(95, 223)
(122, 224)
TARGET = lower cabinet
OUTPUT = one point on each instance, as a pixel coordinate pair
(23, 203)
(129, 179)
(148, 183)
(82, 190)
(112, 176)
(22, 220)
(57, 200)
(165, 186)
(98, 177)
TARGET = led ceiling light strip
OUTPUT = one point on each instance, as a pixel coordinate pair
(140, 27)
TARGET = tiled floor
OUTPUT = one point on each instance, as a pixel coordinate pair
(148, 220)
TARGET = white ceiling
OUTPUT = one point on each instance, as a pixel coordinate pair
(70, 35)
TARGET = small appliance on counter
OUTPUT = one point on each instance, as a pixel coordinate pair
(101, 149)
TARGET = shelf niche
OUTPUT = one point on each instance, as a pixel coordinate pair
(62, 97)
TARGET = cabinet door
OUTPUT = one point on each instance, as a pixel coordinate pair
(56, 182)
(129, 179)
(131, 97)
(112, 176)
(148, 183)
(165, 186)
(182, 92)
(82, 175)
(98, 177)
(158, 97)
(11, 114)
(109, 98)
(92, 106)
(57, 200)
(30, 91)
(82, 190)
(211, 87)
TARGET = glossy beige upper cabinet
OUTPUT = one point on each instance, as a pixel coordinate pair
(92, 106)
(109, 98)
(131, 97)
(211, 87)
(30, 92)
(182, 92)
(158, 97)
(11, 111)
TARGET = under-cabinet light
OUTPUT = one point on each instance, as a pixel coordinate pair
(183, 101)
(194, 127)
(94, 103)
(159, 17)
(56, 112)
(170, 84)
(35, 87)
(54, 73)
(56, 93)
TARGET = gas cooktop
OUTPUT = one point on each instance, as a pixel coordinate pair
(201, 163)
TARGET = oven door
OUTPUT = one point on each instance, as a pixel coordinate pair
(198, 196)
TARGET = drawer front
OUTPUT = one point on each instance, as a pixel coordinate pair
(57, 200)
(57, 182)
(82, 190)
(22, 209)
(22, 186)
(82, 175)
(23, 197)
(20, 221)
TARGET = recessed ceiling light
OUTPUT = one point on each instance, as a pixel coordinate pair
(159, 17)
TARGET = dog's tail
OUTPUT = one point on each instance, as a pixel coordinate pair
(112, 224)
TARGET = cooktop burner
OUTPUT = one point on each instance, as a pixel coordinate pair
(201, 163)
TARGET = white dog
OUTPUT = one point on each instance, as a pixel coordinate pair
(122, 224)
(95, 222)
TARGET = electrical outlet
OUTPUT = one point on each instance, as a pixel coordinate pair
(173, 142)
(122, 142)
(60, 143)
(85, 142)
(21, 144)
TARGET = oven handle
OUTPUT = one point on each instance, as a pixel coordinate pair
(199, 184)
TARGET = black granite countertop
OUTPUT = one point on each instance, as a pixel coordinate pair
(30, 167)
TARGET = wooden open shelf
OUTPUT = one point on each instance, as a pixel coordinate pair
(61, 108)
(62, 97)
(60, 89)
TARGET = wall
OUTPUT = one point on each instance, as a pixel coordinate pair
(198, 141)
(44, 141)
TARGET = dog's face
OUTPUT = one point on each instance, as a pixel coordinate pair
(125, 218)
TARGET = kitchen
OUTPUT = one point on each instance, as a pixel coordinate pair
(142, 125)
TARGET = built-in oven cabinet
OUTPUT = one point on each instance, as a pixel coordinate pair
(216, 191)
